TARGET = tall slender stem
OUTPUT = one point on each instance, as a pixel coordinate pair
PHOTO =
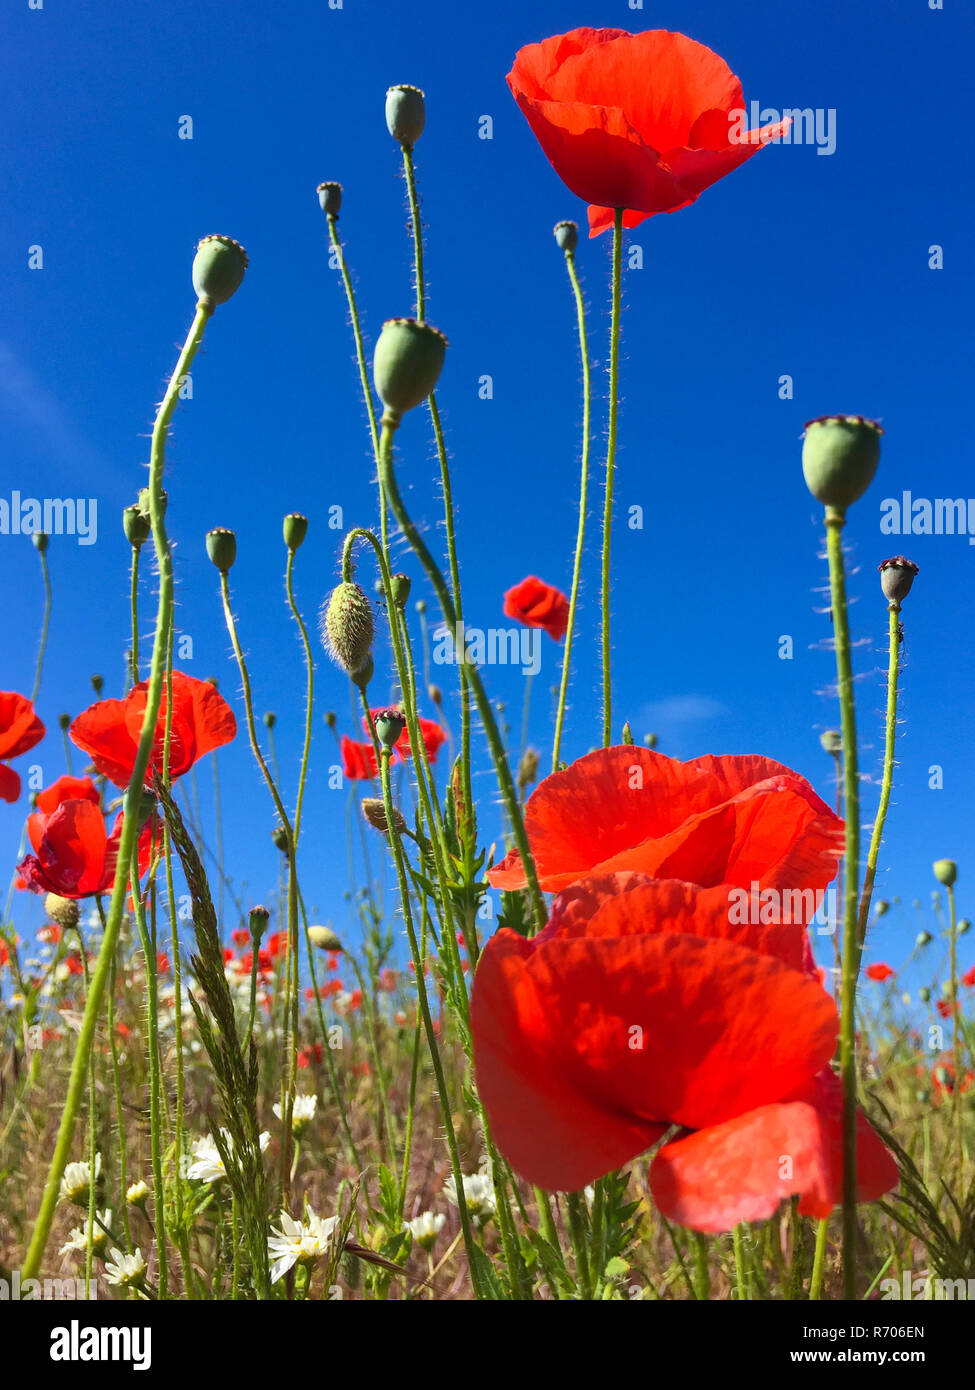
(45, 623)
(614, 373)
(893, 675)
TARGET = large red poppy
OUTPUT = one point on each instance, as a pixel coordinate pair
(638, 1008)
(644, 122)
(716, 820)
(537, 604)
(74, 856)
(431, 732)
(109, 731)
(20, 729)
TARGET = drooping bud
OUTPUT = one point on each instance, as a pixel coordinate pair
(222, 548)
(218, 269)
(406, 114)
(389, 724)
(566, 236)
(64, 911)
(136, 526)
(896, 577)
(528, 767)
(324, 938)
(347, 626)
(436, 695)
(330, 198)
(832, 741)
(365, 673)
(295, 530)
(400, 587)
(406, 365)
(40, 539)
(375, 813)
(257, 920)
(945, 871)
(840, 454)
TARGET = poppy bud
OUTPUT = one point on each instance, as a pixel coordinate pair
(97, 684)
(257, 920)
(831, 741)
(64, 911)
(406, 365)
(840, 454)
(923, 938)
(948, 989)
(389, 725)
(650, 740)
(528, 767)
(218, 269)
(375, 813)
(222, 548)
(270, 719)
(421, 605)
(347, 627)
(566, 236)
(881, 908)
(365, 673)
(64, 721)
(330, 718)
(295, 530)
(136, 526)
(436, 694)
(896, 577)
(963, 926)
(945, 871)
(406, 114)
(40, 540)
(279, 837)
(627, 735)
(330, 198)
(400, 586)
(324, 938)
(924, 994)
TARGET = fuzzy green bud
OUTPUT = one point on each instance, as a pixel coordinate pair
(222, 548)
(40, 539)
(218, 269)
(400, 585)
(324, 938)
(406, 114)
(566, 236)
(924, 994)
(374, 812)
(279, 837)
(365, 673)
(270, 719)
(330, 198)
(923, 938)
(831, 741)
(627, 735)
(64, 722)
(97, 684)
(64, 911)
(945, 871)
(964, 925)
(881, 908)
(295, 530)
(346, 626)
(840, 454)
(406, 365)
(650, 740)
(330, 719)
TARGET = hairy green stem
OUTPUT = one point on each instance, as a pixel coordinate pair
(614, 371)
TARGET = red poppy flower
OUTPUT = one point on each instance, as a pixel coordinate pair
(20, 729)
(879, 972)
(731, 820)
(537, 604)
(947, 1007)
(644, 122)
(595, 1037)
(74, 856)
(969, 978)
(359, 760)
(109, 731)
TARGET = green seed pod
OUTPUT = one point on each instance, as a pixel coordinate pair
(324, 938)
(896, 577)
(840, 454)
(365, 673)
(831, 741)
(295, 530)
(257, 920)
(406, 114)
(222, 548)
(64, 721)
(436, 694)
(270, 719)
(136, 527)
(40, 539)
(97, 684)
(566, 236)
(389, 725)
(924, 994)
(375, 814)
(330, 718)
(945, 871)
(218, 269)
(347, 627)
(923, 938)
(330, 198)
(406, 365)
(650, 740)
(964, 925)
(64, 911)
(400, 586)
(279, 837)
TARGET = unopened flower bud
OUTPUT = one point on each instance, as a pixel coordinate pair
(945, 871)
(40, 539)
(64, 911)
(330, 719)
(627, 735)
(566, 236)
(365, 673)
(347, 626)
(421, 605)
(64, 721)
(650, 740)
(389, 724)
(400, 587)
(218, 269)
(840, 454)
(375, 813)
(963, 926)
(295, 530)
(406, 114)
(924, 994)
(270, 719)
(279, 837)
(923, 938)
(222, 548)
(436, 694)
(881, 908)
(896, 577)
(528, 767)
(257, 920)
(136, 526)
(324, 938)
(97, 684)
(831, 741)
(406, 365)
(330, 198)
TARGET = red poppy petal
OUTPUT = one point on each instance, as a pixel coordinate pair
(101, 732)
(73, 850)
(66, 789)
(9, 783)
(20, 728)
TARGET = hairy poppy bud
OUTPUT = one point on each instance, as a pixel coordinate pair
(40, 539)
(218, 269)
(896, 577)
(136, 526)
(270, 719)
(279, 836)
(406, 365)
(64, 911)
(436, 694)
(375, 813)
(347, 627)
(257, 920)
(324, 938)
(406, 114)
(945, 871)
(400, 587)
(840, 454)
(627, 735)
(97, 684)
(831, 741)
(295, 530)
(330, 198)
(222, 548)
(365, 673)
(528, 767)
(389, 725)
(566, 236)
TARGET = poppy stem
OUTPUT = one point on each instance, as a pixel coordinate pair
(130, 821)
(134, 601)
(570, 265)
(835, 521)
(819, 1260)
(957, 1102)
(45, 623)
(614, 372)
(893, 675)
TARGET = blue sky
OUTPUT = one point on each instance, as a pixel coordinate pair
(801, 264)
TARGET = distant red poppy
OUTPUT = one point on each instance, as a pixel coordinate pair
(644, 122)
(20, 729)
(537, 604)
(715, 820)
(969, 978)
(637, 1009)
(109, 730)
(879, 972)
(431, 732)
(358, 760)
(947, 1007)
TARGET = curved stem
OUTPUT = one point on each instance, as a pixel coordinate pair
(870, 873)
(614, 371)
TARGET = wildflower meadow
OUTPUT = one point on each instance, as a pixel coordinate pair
(486, 780)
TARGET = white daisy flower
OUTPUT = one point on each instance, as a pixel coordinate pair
(299, 1242)
(302, 1114)
(78, 1238)
(426, 1227)
(478, 1194)
(137, 1194)
(205, 1163)
(125, 1271)
(76, 1181)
